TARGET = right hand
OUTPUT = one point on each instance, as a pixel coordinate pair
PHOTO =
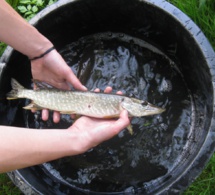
(92, 131)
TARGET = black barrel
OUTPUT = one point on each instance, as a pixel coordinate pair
(155, 52)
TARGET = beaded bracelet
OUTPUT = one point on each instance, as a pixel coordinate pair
(42, 55)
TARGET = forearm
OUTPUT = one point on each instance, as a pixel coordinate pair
(16, 32)
(21, 147)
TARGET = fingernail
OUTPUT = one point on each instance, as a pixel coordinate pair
(84, 88)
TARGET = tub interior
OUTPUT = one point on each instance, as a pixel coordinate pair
(144, 51)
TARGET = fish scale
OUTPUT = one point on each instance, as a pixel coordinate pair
(99, 105)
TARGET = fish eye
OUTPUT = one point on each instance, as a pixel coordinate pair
(144, 103)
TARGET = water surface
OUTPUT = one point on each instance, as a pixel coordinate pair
(139, 69)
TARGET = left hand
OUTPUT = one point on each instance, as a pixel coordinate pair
(53, 70)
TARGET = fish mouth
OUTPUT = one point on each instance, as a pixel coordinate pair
(152, 109)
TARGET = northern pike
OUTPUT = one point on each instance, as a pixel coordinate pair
(98, 105)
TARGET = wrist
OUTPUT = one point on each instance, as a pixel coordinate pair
(43, 54)
(40, 44)
(76, 142)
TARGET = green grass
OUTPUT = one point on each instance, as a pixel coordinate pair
(7, 187)
(203, 13)
(2, 47)
(205, 183)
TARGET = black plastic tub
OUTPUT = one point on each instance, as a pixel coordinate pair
(146, 48)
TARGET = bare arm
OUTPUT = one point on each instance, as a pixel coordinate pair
(52, 68)
(19, 34)
(20, 147)
(16, 32)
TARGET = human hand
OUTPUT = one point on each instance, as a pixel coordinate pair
(92, 131)
(53, 70)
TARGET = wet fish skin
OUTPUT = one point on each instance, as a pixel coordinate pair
(99, 105)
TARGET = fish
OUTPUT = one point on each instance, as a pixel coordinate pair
(92, 104)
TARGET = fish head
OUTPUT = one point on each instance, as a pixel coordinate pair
(138, 108)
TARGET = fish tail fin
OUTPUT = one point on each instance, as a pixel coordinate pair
(14, 93)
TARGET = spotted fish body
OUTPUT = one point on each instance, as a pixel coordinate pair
(92, 104)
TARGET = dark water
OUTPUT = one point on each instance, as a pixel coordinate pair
(126, 162)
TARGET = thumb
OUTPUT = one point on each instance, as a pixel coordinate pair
(122, 122)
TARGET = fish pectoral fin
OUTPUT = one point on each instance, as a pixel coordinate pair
(67, 112)
(130, 130)
(76, 117)
(33, 106)
(111, 116)
(11, 98)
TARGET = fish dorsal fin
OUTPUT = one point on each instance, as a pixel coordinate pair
(15, 84)
(42, 85)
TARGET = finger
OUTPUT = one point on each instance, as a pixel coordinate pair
(71, 78)
(97, 90)
(124, 115)
(108, 89)
(119, 93)
(45, 114)
(122, 122)
(56, 117)
(115, 127)
(33, 110)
